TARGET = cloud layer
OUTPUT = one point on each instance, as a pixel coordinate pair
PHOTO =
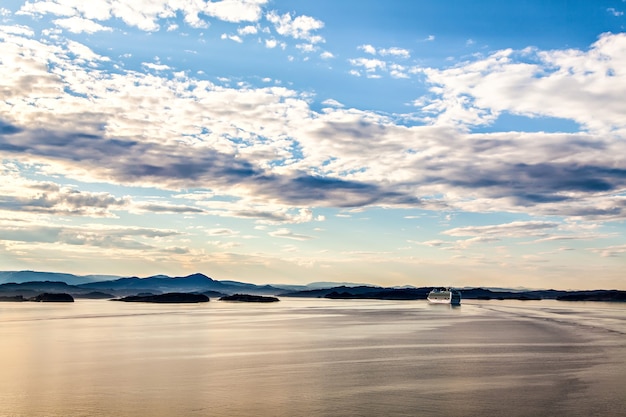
(181, 132)
(90, 133)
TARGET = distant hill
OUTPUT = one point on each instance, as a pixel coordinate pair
(30, 276)
(31, 283)
(41, 298)
(598, 295)
(192, 283)
(158, 283)
(363, 292)
(34, 288)
(327, 284)
(366, 292)
(18, 283)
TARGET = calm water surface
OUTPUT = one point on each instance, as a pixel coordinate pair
(313, 357)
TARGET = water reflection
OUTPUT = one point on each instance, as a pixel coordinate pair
(309, 357)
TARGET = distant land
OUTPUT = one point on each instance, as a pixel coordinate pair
(26, 276)
(247, 298)
(29, 284)
(41, 298)
(170, 297)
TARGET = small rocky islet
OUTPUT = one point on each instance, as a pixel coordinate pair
(173, 297)
(194, 298)
(41, 298)
(170, 298)
(247, 298)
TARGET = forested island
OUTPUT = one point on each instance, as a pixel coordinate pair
(174, 297)
(41, 298)
(248, 298)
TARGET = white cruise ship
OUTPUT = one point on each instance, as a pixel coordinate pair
(445, 296)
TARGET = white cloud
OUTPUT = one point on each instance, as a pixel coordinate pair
(397, 52)
(247, 30)
(611, 251)
(224, 245)
(288, 234)
(369, 64)
(306, 215)
(398, 71)
(156, 67)
(57, 8)
(83, 53)
(306, 47)
(326, 55)
(271, 43)
(147, 14)
(434, 243)
(300, 27)
(235, 10)
(222, 232)
(512, 230)
(143, 14)
(374, 67)
(393, 51)
(583, 86)
(234, 38)
(79, 25)
(614, 12)
(368, 49)
(332, 103)
(17, 30)
(464, 244)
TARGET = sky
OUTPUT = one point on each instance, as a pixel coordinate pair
(426, 142)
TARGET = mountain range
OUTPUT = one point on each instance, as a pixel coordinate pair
(32, 283)
(29, 282)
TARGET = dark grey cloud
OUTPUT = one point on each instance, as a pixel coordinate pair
(181, 166)
(8, 129)
(534, 198)
(130, 161)
(305, 189)
(547, 173)
(169, 208)
(589, 211)
(566, 177)
(270, 216)
(532, 184)
(558, 174)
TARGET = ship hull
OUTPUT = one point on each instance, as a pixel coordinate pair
(444, 296)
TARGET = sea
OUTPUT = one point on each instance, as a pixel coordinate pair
(313, 357)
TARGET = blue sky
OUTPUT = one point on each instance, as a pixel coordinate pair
(428, 143)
